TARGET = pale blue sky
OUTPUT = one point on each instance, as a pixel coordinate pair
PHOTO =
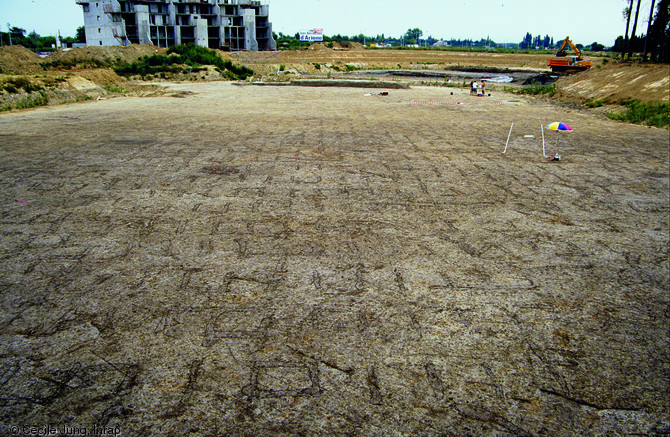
(585, 21)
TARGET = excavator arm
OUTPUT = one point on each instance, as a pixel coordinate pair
(561, 51)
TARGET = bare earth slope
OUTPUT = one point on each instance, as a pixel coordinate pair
(19, 60)
(106, 54)
(614, 82)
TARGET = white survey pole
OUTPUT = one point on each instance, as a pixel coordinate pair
(508, 135)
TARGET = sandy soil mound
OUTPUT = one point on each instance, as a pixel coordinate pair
(613, 82)
(319, 46)
(335, 45)
(85, 86)
(106, 54)
(19, 60)
(101, 76)
(352, 45)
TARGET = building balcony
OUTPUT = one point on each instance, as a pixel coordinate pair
(111, 8)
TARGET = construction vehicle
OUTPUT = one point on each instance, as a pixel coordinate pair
(564, 64)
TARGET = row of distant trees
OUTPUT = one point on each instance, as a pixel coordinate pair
(538, 42)
(32, 40)
(413, 37)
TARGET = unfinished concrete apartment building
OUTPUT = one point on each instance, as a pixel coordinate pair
(217, 24)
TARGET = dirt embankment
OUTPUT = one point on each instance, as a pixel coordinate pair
(19, 60)
(614, 82)
(67, 76)
(105, 55)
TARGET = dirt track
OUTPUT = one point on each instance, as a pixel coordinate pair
(289, 260)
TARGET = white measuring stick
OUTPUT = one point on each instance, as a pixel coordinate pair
(508, 135)
(542, 127)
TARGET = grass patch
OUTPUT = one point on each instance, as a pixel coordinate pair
(184, 59)
(52, 82)
(114, 89)
(80, 64)
(650, 114)
(33, 100)
(15, 84)
(534, 90)
(595, 103)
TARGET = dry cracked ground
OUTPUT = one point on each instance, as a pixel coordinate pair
(252, 260)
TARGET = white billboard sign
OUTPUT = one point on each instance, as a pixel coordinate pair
(312, 35)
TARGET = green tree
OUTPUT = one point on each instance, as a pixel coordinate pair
(527, 41)
(597, 47)
(626, 14)
(632, 33)
(80, 35)
(651, 19)
(412, 35)
(17, 35)
(659, 34)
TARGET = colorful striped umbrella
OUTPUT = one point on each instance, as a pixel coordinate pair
(558, 126)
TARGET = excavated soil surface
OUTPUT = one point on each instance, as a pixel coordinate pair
(19, 60)
(314, 261)
(614, 82)
(106, 54)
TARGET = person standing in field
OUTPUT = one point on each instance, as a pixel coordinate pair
(483, 88)
(474, 88)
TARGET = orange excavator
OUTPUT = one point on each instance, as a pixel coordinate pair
(564, 64)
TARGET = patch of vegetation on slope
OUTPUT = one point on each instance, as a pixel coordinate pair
(184, 59)
(649, 114)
